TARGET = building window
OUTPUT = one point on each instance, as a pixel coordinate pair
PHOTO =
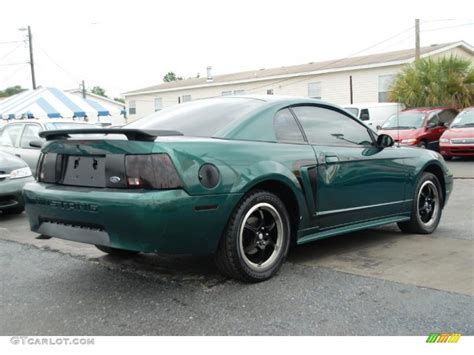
(270, 92)
(158, 103)
(132, 107)
(385, 81)
(186, 98)
(227, 93)
(314, 90)
(239, 92)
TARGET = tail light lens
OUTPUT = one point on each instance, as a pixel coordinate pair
(151, 171)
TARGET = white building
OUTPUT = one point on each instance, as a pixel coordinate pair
(369, 76)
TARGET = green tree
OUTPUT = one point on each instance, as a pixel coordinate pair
(119, 99)
(447, 81)
(98, 91)
(171, 76)
(12, 90)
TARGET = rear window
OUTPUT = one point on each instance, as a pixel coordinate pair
(199, 118)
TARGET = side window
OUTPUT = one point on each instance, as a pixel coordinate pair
(364, 114)
(10, 134)
(30, 133)
(286, 128)
(433, 121)
(447, 116)
(329, 127)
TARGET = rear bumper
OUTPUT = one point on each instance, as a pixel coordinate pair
(170, 221)
(457, 150)
(11, 193)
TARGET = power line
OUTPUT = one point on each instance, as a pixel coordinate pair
(13, 50)
(332, 63)
(9, 64)
(59, 66)
(13, 73)
(11, 42)
(444, 28)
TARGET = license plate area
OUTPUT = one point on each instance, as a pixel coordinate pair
(85, 171)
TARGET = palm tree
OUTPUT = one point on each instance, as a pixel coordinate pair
(447, 81)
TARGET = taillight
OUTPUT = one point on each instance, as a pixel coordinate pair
(151, 171)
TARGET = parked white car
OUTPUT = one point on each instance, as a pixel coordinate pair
(16, 137)
(374, 114)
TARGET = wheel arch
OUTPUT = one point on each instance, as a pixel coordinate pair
(437, 171)
(281, 188)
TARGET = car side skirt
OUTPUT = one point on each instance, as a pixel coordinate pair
(349, 228)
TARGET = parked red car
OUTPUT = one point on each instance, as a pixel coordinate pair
(458, 140)
(420, 127)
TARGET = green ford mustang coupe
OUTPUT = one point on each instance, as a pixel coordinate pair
(238, 177)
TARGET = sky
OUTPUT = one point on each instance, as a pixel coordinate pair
(126, 45)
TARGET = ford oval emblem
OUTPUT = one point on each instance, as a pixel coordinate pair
(114, 179)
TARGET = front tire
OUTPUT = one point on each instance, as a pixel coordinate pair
(423, 145)
(426, 208)
(256, 240)
(115, 251)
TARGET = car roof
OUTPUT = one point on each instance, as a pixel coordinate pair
(429, 109)
(42, 121)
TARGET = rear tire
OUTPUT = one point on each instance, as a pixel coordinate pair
(426, 207)
(116, 251)
(256, 240)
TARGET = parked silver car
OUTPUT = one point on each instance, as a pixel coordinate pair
(21, 137)
(14, 174)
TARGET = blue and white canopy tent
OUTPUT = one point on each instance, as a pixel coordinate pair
(51, 102)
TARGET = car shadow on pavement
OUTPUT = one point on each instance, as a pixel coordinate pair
(352, 242)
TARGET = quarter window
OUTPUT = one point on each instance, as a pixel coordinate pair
(286, 128)
(10, 135)
(324, 126)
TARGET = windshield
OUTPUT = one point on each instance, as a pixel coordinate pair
(464, 119)
(353, 111)
(405, 120)
(52, 126)
(202, 118)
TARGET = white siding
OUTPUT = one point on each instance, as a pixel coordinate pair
(335, 87)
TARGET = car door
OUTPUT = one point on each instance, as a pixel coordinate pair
(9, 138)
(434, 130)
(356, 181)
(30, 154)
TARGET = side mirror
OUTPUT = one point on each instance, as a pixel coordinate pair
(378, 128)
(384, 141)
(36, 144)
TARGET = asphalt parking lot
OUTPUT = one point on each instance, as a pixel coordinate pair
(375, 282)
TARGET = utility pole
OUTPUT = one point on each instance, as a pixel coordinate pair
(417, 39)
(83, 90)
(32, 62)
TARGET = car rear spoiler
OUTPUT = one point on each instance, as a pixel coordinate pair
(131, 134)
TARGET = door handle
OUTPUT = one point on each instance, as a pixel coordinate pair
(331, 159)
